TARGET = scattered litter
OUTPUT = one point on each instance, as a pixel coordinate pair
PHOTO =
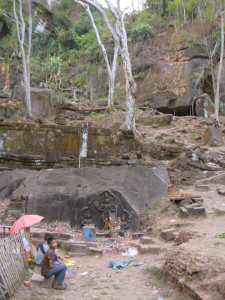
(70, 264)
(222, 204)
(69, 273)
(205, 172)
(82, 274)
(130, 252)
(194, 157)
(121, 264)
(160, 298)
(172, 221)
(116, 245)
(155, 292)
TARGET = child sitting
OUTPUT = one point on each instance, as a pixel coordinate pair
(52, 264)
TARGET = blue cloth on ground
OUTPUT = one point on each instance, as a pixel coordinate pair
(116, 265)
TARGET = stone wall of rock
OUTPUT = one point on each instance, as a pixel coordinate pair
(83, 196)
(36, 146)
(170, 76)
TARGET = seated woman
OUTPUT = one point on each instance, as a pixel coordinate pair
(42, 249)
(52, 264)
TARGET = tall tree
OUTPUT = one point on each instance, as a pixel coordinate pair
(120, 36)
(21, 32)
(217, 91)
(210, 11)
(111, 70)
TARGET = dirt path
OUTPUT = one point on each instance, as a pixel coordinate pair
(134, 283)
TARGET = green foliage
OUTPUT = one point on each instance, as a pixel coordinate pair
(119, 94)
(183, 37)
(139, 76)
(221, 236)
(93, 114)
(72, 118)
(193, 136)
(101, 117)
(140, 32)
(188, 278)
(63, 20)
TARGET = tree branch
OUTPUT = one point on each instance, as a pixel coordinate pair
(104, 16)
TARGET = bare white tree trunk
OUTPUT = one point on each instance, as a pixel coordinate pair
(184, 12)
(130, 84)
(20, 25)
(217, 94)
(111, 71)
(120, 36)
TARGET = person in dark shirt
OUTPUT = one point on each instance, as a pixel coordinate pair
(53, 264)
(42, 249)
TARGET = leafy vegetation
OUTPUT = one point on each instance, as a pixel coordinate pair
(67, 54)
(221, 236)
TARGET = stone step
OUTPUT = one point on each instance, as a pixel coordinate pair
(92, 244)
(48, 282)
(75, 254)
(78, 248)
(14, 212)
(146, 240)
(16, 205)
(138, 235)
(37, 269)
(37, 278)
(68, 244)
(221, 192)
(94, 250)
(201, 187)
(168, 234)
(149, 249)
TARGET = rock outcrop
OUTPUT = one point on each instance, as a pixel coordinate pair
(169, 78)
(42, 99)
(87, 195)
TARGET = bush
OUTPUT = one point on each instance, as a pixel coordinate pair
(140, 32)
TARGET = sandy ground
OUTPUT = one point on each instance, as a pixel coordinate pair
(145, 281)
(135, 283)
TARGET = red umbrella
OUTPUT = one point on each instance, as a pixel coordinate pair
(25, 221)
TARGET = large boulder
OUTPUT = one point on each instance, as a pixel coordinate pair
(9, 109)
(204, 107)
(212, 137)
(42, 99)
(88, 195)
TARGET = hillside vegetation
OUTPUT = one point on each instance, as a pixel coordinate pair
(66, 54)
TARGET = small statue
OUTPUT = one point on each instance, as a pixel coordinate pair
(124, 223)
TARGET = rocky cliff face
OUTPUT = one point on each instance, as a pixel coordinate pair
(170, 77)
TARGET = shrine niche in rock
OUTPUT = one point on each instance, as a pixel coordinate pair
(107, 210)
